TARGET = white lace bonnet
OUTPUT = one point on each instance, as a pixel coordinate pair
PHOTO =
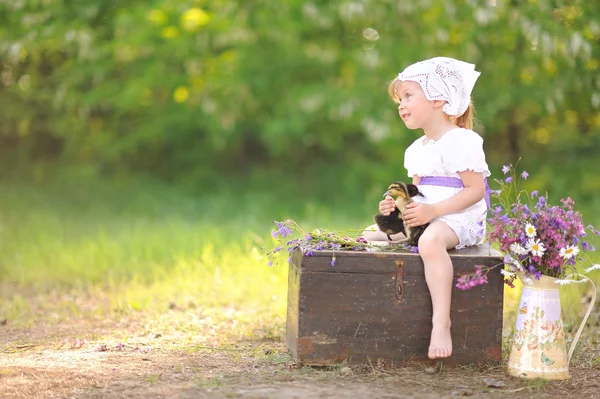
(444, 78)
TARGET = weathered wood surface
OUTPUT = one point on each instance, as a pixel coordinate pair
(376, 305)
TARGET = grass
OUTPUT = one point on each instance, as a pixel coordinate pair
(147, 248)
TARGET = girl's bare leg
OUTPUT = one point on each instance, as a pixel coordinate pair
(433, 248)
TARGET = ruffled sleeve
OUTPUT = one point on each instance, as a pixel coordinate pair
(463, 150)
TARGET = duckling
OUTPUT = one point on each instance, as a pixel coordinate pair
(393, 223)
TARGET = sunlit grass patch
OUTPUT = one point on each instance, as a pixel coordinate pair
(237, 275)
(159, 261)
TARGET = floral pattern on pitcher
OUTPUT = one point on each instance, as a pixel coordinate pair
(539, 333)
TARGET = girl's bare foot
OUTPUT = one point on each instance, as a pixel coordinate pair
(440, 345)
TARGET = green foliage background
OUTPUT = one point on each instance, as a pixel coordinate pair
(182, 89)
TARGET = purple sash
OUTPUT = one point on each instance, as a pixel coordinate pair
(455, 182)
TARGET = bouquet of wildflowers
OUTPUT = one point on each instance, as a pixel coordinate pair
(536, 238)
(319, 239)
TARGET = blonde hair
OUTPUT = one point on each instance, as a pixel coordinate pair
(392, 90)
(465, 120)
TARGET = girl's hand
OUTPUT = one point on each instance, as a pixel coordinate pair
(387, 206)
(418, 214)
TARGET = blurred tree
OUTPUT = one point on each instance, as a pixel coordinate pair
(184, 87)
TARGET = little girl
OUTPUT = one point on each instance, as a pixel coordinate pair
(448, 164)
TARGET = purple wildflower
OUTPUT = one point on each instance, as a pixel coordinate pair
(524, 175)
(541, 202)
(591, 248)
(508, 179)
(332, 263)
(282, 230)
(469, 281)
(534, 193)
(537, 274)
(506, 169)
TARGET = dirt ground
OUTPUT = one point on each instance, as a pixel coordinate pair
(196, 354)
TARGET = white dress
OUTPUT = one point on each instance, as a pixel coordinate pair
(456, 151)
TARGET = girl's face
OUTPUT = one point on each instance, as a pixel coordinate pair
(414, 108)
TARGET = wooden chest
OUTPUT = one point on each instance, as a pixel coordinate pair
(376, 305)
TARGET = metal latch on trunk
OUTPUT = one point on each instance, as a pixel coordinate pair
(399, 280)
